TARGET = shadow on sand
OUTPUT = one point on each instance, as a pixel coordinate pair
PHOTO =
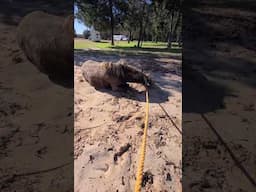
(156, 94)
(64, 82)
(201, 95)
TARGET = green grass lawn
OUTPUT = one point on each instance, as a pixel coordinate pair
(120, 46)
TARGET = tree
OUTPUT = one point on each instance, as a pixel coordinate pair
(174, 9)
(111, 21)
(131, 18)
(158, 20)
(101, 14)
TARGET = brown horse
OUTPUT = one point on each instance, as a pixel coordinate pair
(112, 75)
(47, 41)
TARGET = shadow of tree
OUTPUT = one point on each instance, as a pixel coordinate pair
(102, 42)
(170, 50)
(120, 53)
(202, 48)
(201, 95)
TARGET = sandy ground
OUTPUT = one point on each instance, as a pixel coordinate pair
(105, 121)
(36, 142)
(219, 150)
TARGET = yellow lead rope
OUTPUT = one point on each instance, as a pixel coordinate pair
(139, 174)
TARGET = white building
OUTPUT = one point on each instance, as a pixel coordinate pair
(120, 38)
(94, 35)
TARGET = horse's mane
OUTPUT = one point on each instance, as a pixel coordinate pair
(124, 71)
(119, 70)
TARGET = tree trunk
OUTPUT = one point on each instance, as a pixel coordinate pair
(169, 39)
(177, 24)
(180, 40)
(143, 38)
(140, 33)
(155, 38)
(141, 26)
(170, 32)
(130, 36)
(112, 22)
(144, 35)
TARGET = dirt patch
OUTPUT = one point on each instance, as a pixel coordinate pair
(106, 121)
